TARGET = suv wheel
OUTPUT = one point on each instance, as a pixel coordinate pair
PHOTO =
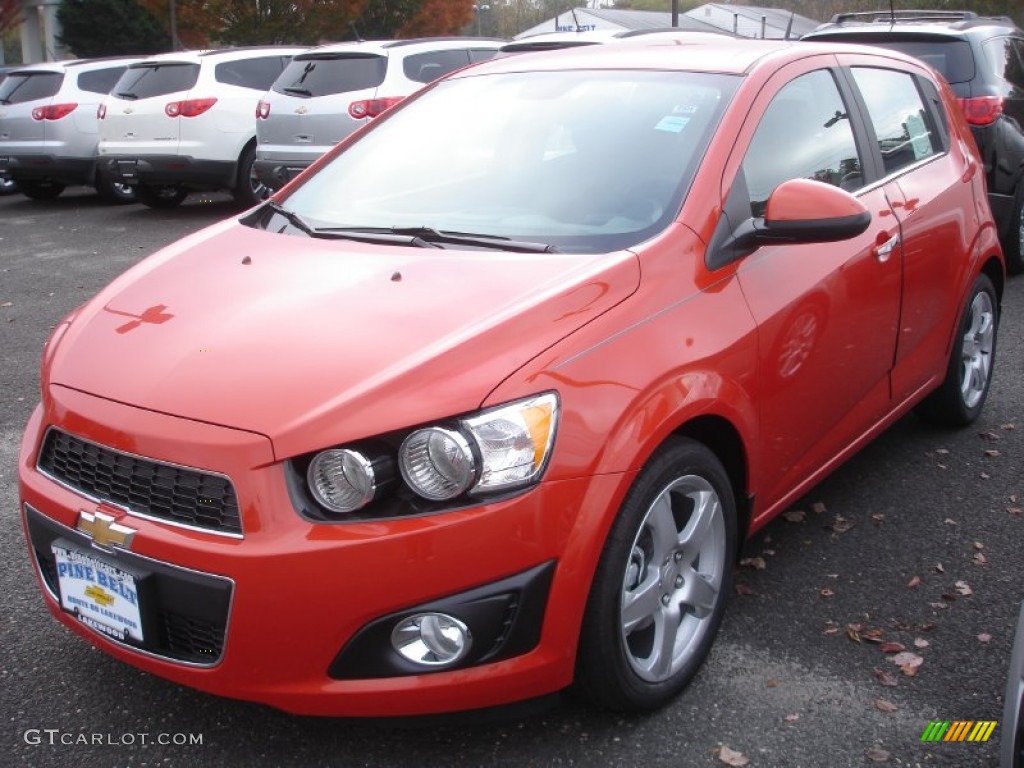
(113, 192)
(8, 186)
(1013, 249)
(40, 190)
(249, 190)
(160, 195)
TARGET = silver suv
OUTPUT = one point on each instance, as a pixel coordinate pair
(49, 129)
(178, 122)
(328, 92)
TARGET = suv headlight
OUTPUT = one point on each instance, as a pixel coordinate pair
(492, 451)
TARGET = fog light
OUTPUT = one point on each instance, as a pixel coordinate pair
(432, 639)
(342, 480)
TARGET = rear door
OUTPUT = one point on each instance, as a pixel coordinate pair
(20, 93)
(136, 122)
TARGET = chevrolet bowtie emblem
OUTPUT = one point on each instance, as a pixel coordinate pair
(127, 110)
(301, 110)
(104, 530)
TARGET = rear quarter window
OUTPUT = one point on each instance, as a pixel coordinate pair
(149, 80)
(100, 80)
(258, 74)
(19, 88)
(425, 67)
(1005, 56)
(326, 74)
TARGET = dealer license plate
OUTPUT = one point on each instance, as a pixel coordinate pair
(98, 593)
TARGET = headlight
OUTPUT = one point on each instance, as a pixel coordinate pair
(342, 480)
(437, 463)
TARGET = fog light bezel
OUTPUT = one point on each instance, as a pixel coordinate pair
(466, 639)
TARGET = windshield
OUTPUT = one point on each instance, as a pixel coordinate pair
(584, 161)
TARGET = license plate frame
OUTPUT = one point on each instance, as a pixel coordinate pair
(102, 595)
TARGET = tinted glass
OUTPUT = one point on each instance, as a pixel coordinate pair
(258, 74)
(20, 88)
(1003, 55)
(143, 81)
(100, 80)
(424, 67)
(585, 161)
(481, 54)
(904, 128)
(952, 58)
(804, 134)
(324, 74)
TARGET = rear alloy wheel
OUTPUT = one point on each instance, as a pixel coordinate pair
(8, 186)
(959, 400)
(661, 586)
(40, 190)
(114, 192)
(249, 190)
(160, 195)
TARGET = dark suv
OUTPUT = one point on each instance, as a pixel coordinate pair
(983, 59)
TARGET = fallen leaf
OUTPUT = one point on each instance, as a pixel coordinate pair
(941, 451)
(794, 515)
(908, 662)
(831, 628)
(892, 647)
(886, 678)
(743, 589)
(885, 706)
(984, 638)
(985, 476)
(1007, 427)
(878, 517)
(940, 606)
(1015, 511)
(990, 436)
(792, 718)
(876, 755)
(731, 757)
(964, 588)
(756, 563)
(772, 682)
(818, 508)
(853, 634)
(928, 626)
(873, 635)
(825, 592)
(840, 524)
(915, 581)
(909, 671)
(920, 642)
(980, 559)
(7, 304)
(992, 453)
(939, 568)
(950, 521)
(978, 545)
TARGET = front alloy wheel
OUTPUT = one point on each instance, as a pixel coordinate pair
(660, 588)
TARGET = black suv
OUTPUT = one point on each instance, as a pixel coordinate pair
(983, 59)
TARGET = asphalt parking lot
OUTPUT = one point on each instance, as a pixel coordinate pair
(916, 541)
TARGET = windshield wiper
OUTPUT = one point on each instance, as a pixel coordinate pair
(361, 236)
(127, 95)
(439, 238)
(297, 89)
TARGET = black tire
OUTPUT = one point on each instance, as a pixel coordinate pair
(1013, 247)
(160, 195)
(249, 190)
(113, 192)
(8, 187)
(647, 566)
(40, 190)
(960, 398)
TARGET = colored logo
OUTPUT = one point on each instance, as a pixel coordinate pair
(99, 594)
(105, 530)
(959, 730)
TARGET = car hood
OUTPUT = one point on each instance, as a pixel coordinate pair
(315, 342)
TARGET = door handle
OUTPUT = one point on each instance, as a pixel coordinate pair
(884, 250)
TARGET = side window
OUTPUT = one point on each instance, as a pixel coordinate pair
(804, 134)
(1005, 59)
(100, 80)
(904, 127)
(481, 54)
(258, 74)
(424, 67)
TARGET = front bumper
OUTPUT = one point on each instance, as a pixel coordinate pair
(189, 172)
(43, 167)
(295, 594)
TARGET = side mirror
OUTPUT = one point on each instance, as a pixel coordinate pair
(797, 211)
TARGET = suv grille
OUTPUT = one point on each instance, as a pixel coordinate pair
(162, 491)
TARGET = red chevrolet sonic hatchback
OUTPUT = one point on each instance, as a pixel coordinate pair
(484, 403)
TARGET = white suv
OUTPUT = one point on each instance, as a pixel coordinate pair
(329, 91)
(49, 130)
(183, 121)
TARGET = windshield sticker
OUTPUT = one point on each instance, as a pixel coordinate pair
(672, 123)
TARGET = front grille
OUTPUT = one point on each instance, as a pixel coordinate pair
(151, 488)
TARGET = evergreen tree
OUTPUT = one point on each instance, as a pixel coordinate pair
(92, 28)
